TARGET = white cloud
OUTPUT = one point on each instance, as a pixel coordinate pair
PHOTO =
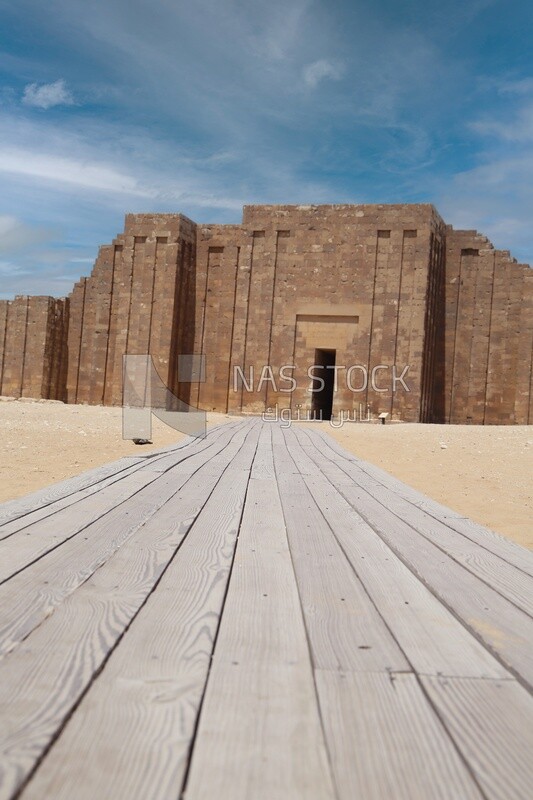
(78, 172)
(496, 198)
(47, 95)
(523, 86)
(16, 235)
(8, 269)
(518, 128)
(318, 70)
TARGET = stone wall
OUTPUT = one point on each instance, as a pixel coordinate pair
(131, 304)
(489, 333)
(373, 287)
(33, 347)
(292, 280)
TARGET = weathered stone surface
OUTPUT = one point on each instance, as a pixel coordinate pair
(381, 285)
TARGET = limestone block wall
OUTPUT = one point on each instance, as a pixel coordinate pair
(131, 304)
(33, 347)
(376, 287)
(294, 279)
(489, 333)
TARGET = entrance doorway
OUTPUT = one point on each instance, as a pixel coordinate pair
(323, 384)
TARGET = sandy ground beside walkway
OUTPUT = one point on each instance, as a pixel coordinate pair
(485, 473)
(43, 442)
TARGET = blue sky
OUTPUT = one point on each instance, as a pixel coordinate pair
(115, 106)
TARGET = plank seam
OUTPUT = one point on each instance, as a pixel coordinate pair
(132, 533)
(190, 756)
(359, 463)
(119, 474)
(430, 541)
(158, 475)
(307, 636)
(510, 668)
(390, 673)
(105, 660)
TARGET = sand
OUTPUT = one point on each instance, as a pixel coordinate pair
(42, 442)
(482, 472)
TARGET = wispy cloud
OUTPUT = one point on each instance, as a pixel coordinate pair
(517, 123)
(495, 195)
(201, 107)
(47, 95)
(319, 70)
(495, 198)
(16, 235)
(514, 87)
(42, 166)
(9, 270)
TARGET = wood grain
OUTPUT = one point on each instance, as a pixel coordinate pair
(507, 550)
(344, 628)
(260, 734)
(386, 741)
(139, 716)
(505, 578)
(26, 546)
(431, 637)
(491, 722)
(14, 509)
(504, 629)
(101, 477)
(32, 595)
(264, 616)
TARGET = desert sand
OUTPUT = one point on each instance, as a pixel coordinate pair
(43, 441)
(482, 472)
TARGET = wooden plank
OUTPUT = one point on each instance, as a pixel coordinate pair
(139, 693)
(492, 725)
(503, 577)
(45, 512)
(320, 439)
(276, 747)
(31, 595)
(504, 629)
(18, 514)
(41, 681)
(519, 557)
(386, 742)
(431, 637)
(13, 509)
(24, 547)
(168, 460)
(263, 466)
(509, 581)
(344, 628)
(139, 716)
(68, 648)
(260, 734)
(284, 464)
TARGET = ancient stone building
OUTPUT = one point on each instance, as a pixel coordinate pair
(407, 315)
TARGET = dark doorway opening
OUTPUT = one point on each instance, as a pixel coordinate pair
(323, 384)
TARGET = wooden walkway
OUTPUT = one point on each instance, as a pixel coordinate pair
(260, 614)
